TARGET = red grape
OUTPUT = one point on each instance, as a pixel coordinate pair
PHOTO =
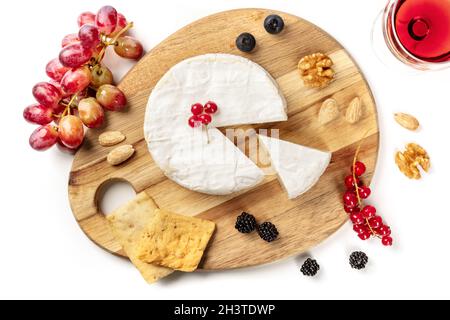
(76, 80)
(101, 75)
(55, 70)
(44, 138)
(47, 94)
(129, 48)
(121, 24)
(111, 98)
(71, 131)
(37, 114)
(91, 113)
(89, 36)
(57, 85)
(70, 39)
(75, 55)
(86, 18)
(106, 20)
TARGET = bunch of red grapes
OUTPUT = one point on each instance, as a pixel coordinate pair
(81, 88)
(366, 222)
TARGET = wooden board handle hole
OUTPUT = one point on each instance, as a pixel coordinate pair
(114, 193)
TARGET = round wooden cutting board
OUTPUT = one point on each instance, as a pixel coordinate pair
(302, 223)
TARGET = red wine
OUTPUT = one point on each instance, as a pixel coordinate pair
(423, 28)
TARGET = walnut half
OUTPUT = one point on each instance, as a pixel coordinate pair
(316, 70)
(409, 161)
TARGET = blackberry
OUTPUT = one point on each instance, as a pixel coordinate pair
(310, 268)
(246, 42)
(274, 24)
(268, 232)
(358, 260)
(246, 223)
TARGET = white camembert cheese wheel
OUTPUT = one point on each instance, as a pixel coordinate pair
(245, 93)
(299, 168)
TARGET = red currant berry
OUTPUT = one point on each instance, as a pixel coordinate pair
(364, 192)
(205, 119)
(194, 122)
(352, 210)
(211, 107)
(384, 231)
(350, 200)
(197, 109)
(364, 236)
(387, 241)
(350, 182)
(359, 228)
(375, 222)
(357, 218)
(369, 212)
(360, 168)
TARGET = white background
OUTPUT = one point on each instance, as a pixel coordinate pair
(45, 255)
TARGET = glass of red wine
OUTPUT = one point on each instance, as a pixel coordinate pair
(415, 32)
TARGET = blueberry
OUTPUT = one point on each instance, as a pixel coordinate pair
(274, 24)
(246, 42)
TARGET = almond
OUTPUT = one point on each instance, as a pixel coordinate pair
(111, 138)
(329, 111)
(354, 111)
(407, 121)
(120, 155)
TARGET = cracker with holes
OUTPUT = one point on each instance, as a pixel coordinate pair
(127, 223)
(174, 241)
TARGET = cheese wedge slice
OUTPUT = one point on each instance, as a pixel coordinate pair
(216, 167)
(245, 94)
(299, 168)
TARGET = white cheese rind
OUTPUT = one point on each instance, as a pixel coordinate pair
(245, 94)
(299, 168)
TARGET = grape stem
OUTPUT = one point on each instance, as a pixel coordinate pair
(106, 41)
(72, 100)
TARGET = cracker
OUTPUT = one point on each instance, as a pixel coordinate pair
(127, 223)
(174, 241)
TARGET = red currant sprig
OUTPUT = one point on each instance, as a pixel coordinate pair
(202, 115)
(366, 222)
